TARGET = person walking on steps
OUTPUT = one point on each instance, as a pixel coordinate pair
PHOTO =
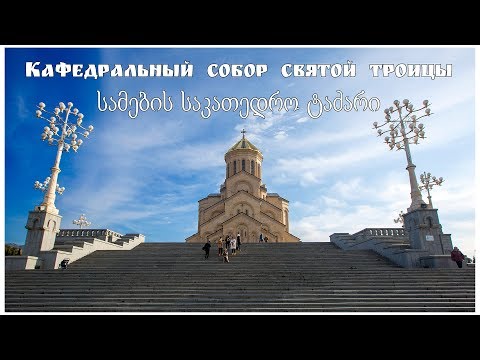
(457, 256)
(206, 248)
(238, 241)
(220, 246)
(227, 242)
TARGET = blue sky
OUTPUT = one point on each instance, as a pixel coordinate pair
(147, 174)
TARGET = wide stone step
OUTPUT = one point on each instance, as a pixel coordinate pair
(158, 273)
(217, 291)
(67, 247)
(258, 304)
(283, 289)
(218, 296)
(295, 279)
(452, 292)
(191, 308)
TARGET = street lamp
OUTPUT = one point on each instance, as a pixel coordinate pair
(403, 131)
(44, 186)
(82, 221)
(400, 219)
(427, 184)
(59, 119)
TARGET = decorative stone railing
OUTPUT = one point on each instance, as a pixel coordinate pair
(103, 234)
(373, 232)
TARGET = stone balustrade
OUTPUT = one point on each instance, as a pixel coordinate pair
(373, 232)
(103, 234)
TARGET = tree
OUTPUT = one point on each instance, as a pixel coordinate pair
(12, 250)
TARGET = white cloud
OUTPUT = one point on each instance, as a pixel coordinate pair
(329, 220)
(22, 111)
(348, 189)
(280, 135)
(257, 127)
(312, 169)
(333, 202)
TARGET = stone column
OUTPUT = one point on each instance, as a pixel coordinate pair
(425, 231)
(43, 226)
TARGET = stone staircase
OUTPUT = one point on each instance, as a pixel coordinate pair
(394, 244)
(71, 248)
(273, 277)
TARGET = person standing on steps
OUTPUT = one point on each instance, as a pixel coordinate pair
(261, 237)
(206, 248)
(233, 245)
(227, 242)
(220, 246)
(457, 256)
(238, 241)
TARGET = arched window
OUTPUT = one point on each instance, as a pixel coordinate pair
(246, 211)
(234, 167)
(252, 167)
(243, 165)
(228, 169)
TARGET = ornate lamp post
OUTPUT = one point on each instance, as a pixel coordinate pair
(82, 221)
(63, 130)
(428, 185)
(421, 221)
(59, 118)
(400, 219)
(404, 130)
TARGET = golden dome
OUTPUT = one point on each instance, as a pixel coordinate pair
(243, 143)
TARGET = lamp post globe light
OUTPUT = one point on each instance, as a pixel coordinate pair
(44, 186)
(65, 140)
(428, 182)
(63, 130)
(82, 221)
(399, 219)
(403, 126)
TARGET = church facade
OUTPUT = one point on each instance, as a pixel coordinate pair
(243, 205)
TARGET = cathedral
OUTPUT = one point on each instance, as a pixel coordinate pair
(243, 204)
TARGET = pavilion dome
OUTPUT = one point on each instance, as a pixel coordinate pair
(243, 143)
